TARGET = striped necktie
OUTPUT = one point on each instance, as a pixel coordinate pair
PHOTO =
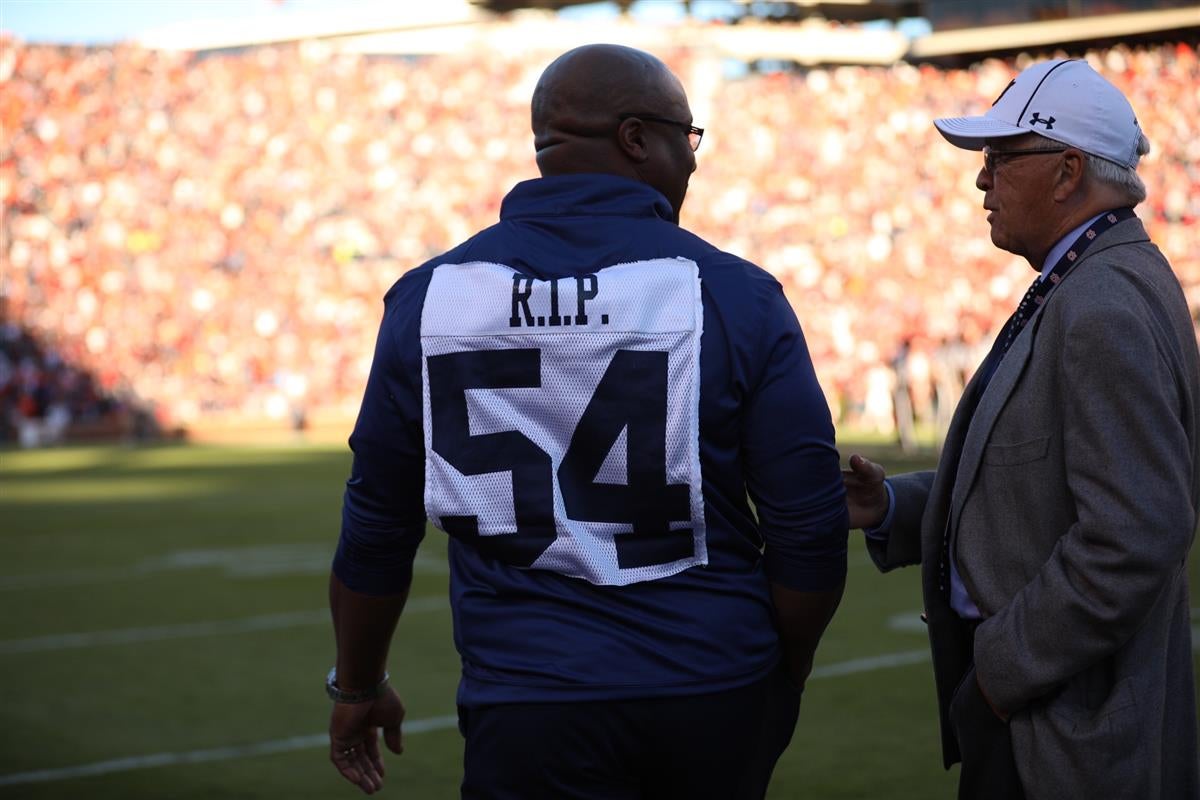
(1007, 334)
(1020, 316)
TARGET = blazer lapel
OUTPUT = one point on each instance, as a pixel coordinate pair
(938, 505)
(990, 405)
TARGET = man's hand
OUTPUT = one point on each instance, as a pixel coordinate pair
(354, 738)
(802, 618)
(866, 496)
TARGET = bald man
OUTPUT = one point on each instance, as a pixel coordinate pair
(582, 396)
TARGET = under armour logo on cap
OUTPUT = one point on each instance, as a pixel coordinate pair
(1036, 118)
(1089, 113)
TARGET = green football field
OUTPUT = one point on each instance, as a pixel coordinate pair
(165, 634)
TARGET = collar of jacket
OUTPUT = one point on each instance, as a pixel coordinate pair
(584, 195)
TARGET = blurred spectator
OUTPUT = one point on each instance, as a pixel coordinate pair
(213, 233)
(41, 396)
(834, 180)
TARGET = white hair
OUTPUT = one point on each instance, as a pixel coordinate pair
(1124, 180)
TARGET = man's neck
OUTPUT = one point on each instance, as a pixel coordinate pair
(1086, 208)
(1065, 243)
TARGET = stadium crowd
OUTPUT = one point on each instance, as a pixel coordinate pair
(213, 233)
(42, 397)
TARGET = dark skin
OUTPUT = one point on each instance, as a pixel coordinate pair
(576, 121)
(577, 128)
(363, 626)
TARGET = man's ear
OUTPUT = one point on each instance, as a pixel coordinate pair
(1071, 172)
(631, 138)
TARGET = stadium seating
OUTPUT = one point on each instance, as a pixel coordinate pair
(211, 235)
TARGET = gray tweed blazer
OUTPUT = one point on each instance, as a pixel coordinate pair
(1071, 497)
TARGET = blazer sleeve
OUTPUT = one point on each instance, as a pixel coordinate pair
(901, 545)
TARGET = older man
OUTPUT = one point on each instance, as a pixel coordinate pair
(1054, 535)
(581, 396)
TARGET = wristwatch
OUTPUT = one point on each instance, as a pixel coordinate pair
(362, 696)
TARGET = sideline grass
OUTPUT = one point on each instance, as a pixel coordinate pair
(104, 539)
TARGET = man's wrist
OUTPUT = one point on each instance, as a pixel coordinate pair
(884, 528)
(339, 695)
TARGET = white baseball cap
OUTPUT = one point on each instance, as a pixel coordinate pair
(1064, 100)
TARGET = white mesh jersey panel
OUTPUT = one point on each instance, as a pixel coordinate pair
(623, 342)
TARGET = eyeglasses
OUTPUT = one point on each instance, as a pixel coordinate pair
(993, 157)
(693, 133)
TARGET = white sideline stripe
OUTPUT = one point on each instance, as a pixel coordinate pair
(322, 739)
(238, 562)
(295, 619)
(157, 633)
(870, 664)
(202, 756)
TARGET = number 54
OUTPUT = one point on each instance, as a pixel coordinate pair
(631, 395)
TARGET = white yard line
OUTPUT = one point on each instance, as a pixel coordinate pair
(299, 558)
(871, 664)
(70, 577)
(202, 756)
(320, 740)
(296, 619)
(157, 633)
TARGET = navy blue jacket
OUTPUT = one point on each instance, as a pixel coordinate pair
(765, 437)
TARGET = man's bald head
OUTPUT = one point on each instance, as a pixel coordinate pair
(584, 89)
(576, 118)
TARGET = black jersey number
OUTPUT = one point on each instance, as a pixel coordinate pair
(631, 396)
